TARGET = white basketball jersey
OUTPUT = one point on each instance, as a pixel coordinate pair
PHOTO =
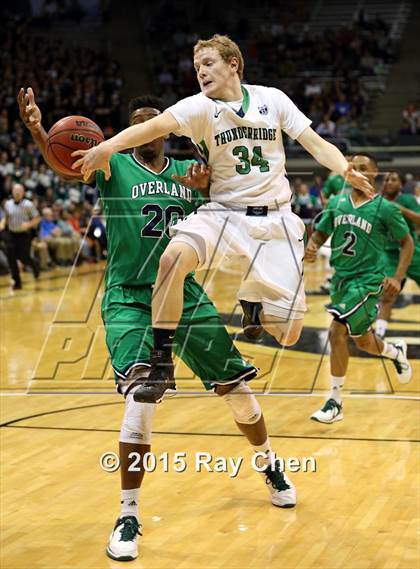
(243, 147)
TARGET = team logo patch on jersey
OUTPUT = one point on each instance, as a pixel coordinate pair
(263, 110)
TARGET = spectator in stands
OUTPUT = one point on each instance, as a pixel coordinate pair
(342, 106)
(47, 227)
(67, 230)
(316, 187)
(6, 187)
(316, 111)
(74, 218)
(312, 87)
(48, 198)
(304, 204)
(17, 169)
(30, 179)
(6, 167)
(411, 119)
(60, 248)
(342, 127)
(326, 127)
(45, 177)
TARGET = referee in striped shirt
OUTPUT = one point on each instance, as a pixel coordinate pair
(21, 218)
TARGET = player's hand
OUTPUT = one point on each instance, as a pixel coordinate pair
(197, 176)
(28, 110)
(96, 158)
(311, 252)
(391, 286)
(359, 181)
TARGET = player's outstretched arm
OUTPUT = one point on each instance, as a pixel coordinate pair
(31, 117)
(316, 240)
(392, 285)
(330, 156)
(97, 158)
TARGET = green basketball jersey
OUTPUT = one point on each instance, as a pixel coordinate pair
(408, 201)
(360, 233)
(139, 206)
(335, 184)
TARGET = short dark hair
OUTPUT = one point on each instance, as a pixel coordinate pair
(142, 101)
(367, 155)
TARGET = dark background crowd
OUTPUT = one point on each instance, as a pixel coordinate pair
(320, 72)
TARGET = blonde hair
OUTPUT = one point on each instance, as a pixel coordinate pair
(227, 49)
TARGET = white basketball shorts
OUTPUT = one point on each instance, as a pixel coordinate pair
(271, 250)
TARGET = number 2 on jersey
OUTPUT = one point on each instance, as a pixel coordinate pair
(257, 159)
(351, 239)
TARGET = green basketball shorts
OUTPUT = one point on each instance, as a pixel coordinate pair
(354, 302)
(201, 340)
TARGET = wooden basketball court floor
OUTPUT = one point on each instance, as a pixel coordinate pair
(60, 414)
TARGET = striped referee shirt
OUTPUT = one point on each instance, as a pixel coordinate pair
(19, 213)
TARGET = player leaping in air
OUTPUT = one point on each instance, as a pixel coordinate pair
(360, 228)
(146, 189)
(238, 130)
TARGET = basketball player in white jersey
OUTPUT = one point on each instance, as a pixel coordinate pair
(238, 131)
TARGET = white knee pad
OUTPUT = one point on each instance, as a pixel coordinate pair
(136, 426)
(245, 408)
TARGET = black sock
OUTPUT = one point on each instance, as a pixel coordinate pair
(163, 339)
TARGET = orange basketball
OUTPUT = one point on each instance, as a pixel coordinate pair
(66, 136)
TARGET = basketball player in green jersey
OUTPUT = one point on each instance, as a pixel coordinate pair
(238, 129)
(144, 193)
(360, 228)
(410, 209)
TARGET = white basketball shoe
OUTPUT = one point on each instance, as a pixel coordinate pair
(122, 545)
(331, 412)
(282, 490)
(401, 364)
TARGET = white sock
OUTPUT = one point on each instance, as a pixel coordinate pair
(390, 351)
(337, 384)
(381, 326)
(130, 502)
(266, 449)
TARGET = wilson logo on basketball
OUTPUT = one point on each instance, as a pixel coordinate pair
(86, 139)
(67, 135)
